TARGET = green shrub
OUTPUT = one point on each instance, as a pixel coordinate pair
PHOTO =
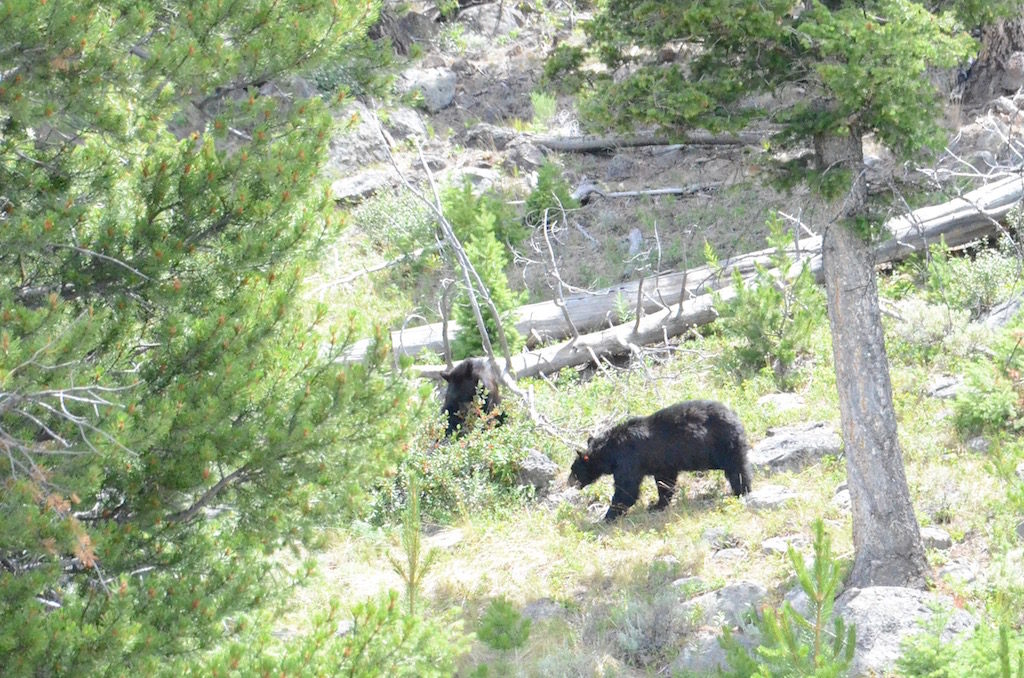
(479, 221)
(470, 474)
(502, 627)
(792, 644)
(993, 392)
(551, 195)
(384, 640)
(975, 284)
(770, 321)
(987, 653)
(395, 222)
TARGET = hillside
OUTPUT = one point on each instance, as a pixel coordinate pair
(649, 594)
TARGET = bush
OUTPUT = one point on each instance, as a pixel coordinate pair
(975, 284)
(770, 321)
(478, 221)
(472, 473)
(502, 627)
(550, 196)
(993, 392)
(987, 653)
(793, 644)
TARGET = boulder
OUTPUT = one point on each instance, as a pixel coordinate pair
(437, 85)
(538, 471)
(885, 615)
(791, 448)
(769, 497)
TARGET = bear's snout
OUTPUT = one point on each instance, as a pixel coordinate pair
(573, 481)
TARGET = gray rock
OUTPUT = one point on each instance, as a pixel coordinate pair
(360, 145)
(487, 136)
(542, 608)
(492, 19)
(523, 155)
(791, 448)
(1019, 471)
(437, 85)
(403, 123)
(1020, 530)
(359, 186)
(620, 167)
(292, 87)
(344, 628)
(481, 178)
(935, 538)
(1003, 313)
(944, 387)
(704, 656)
(842, 500)
(781, 402)
(668, 560)
(729, 555)
(730, 604)
(782, 544)
(636, 240)
(689, 584)
(445, 539)
(718, 538)
(978, 444)
(537, 470)
(769, 497)
(884, 616)
(959, 570)
(799, 600)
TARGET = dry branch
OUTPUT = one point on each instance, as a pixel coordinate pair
(594, 144)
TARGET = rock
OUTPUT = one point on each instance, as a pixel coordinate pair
(935, 538)
(538, 471)
(344, 628)
(359, 186)
(957, 570)
(523, 155)
(944, 387)
(636, 240)
(782, 544)
(1020, 530)
(620, 167)
(704, 656)
(481, 178)
(291, 87)
(1019, 471)
(404, 31)
(689, 584)
(799, 600)
(668, 560)
(445, 539)
(492, 19)
(437, 85)
(487, 136)
(542, 608)
(769, 497)
(781, 402)
(730, 604)
(791, 448)
(842, 500)
(978, 444)
(359, 146)
(718, 538)
(729, 555)
(884, 616)
(1003, 313)
(403, 123)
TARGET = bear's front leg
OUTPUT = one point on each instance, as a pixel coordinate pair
(626, 493)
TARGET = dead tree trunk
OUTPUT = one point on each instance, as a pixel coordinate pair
(999, 68)
(888, 550)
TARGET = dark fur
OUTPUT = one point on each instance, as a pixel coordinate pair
(694, 435)
(464, 381)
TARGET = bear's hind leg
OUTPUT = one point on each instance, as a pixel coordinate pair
(666, 490)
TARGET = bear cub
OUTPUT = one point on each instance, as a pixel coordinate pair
(464, 381)
(694, 435)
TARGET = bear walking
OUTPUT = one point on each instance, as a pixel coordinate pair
(694, 435)
(464, 380)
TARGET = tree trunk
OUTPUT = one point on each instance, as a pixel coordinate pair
(999, 68)
(887, 541)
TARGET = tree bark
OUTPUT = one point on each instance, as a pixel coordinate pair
(998, 70)
(888, 550)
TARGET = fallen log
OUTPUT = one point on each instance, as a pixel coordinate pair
(595, 144)
(960, 220)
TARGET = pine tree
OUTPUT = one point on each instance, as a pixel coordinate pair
(169, 410)
(862, 68)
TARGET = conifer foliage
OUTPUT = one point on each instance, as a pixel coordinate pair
(169, 412)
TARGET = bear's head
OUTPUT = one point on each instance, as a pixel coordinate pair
(584, 469)
(465, 381)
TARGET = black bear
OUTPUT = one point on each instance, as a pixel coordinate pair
(694, 435)
(464, 381)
